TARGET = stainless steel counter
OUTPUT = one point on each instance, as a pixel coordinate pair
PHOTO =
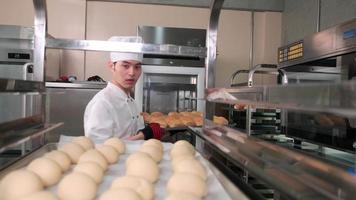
(81, 84)
(66, 102)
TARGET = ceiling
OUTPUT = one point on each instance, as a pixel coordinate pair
(256, 5)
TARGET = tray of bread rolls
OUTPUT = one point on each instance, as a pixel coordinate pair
(78, 168)
(178, 120)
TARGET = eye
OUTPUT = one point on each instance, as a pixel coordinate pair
(137, 66)
(126, 66)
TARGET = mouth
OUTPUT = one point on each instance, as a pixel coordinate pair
(130, 81)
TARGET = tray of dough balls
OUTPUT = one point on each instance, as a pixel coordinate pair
(78, 169)
(179, 119)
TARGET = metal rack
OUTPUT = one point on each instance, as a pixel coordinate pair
(294, 174)
(42, 41)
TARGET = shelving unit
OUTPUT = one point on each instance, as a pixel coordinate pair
(291, 173)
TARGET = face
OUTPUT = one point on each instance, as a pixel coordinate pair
(126, 73)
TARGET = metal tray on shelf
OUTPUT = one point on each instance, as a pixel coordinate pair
(23, 161)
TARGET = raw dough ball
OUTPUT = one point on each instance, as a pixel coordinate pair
(153, 151)
(191, 166)
(179, 158)
(48, 170)
(84, 142)
(19, 183)
(120, 193)
(94, 156)
(109, 152)
(140, 185)
(137, 155)
(180, 196)
(181, 151)
(183, 143)
(43, 195)
(118, 144)
(189, 183)
(77, 186)
(153, 142)
(91, 169)
(61, 158)
(74, 151)
(143, 167)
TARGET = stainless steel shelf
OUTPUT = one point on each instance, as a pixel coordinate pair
(335, 98)
(295, 174)
(84, 85)
(96, 45)
(15, 138)
(11, 85)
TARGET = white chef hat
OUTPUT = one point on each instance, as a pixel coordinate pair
(120, 56)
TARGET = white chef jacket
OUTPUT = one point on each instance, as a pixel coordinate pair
(111, 113)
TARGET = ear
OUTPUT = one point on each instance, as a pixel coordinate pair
(111, 66)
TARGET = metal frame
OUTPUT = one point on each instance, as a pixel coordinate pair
(198, 71)
(254, 155)
(294, 174)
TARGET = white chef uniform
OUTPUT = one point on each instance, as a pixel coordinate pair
(112, 113)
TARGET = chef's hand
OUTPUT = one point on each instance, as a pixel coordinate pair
(138, 136)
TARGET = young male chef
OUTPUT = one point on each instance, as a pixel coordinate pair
(113, 112)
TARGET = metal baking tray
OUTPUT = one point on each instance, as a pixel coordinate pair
(24, 161)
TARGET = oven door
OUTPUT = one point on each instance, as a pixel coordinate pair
(167, 88)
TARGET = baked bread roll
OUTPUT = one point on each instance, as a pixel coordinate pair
(198, 120)
(174, 121)
(173, 114)
(161, 120)
(196, 113)
(220, 120)
(146, 117)
(187, 120)
(157, 114)
(185, 113)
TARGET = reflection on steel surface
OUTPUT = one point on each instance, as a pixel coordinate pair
(10, 85)
(97, 45)
(16, 138)
(296, 175)
(336, 98)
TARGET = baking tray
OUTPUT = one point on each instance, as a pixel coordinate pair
(215, 188)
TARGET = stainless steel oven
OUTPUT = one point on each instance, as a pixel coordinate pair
(171, 83)
(166, 88)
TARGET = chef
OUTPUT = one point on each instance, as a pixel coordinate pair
(113, 112)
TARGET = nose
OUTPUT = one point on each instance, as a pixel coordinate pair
(131, 71)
